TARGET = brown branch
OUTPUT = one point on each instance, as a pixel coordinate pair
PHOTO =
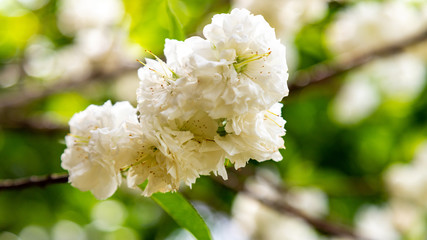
(326, 71)
(303, 78)
(33, 181)
(233, 184)
(36, 125)
(27, 96)
(320, 225)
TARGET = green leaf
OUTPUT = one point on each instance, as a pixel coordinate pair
(176, 30)
(183, 213)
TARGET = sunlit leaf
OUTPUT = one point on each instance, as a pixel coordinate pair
(176, 30)
(183, 213)
(15, 32)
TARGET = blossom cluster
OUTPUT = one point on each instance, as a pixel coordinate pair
(366, 26)
(215, 99)
(403, 216)
(375, 24)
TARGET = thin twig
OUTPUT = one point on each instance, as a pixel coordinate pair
(320, 225)
(35, 125)
(303, 78)
(326, 71)
(280, 206)
(27, 96)
(33, 181)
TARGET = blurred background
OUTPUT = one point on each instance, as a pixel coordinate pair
(356, 143)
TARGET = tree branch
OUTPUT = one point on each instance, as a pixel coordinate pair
(326, 71)
(35, 125)
(303, 78)
(321, 225)
(233, 184)
(33, 181)
(22, 98)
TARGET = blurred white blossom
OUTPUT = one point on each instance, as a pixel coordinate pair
(356, 100)
(109, 215)
(376, 223)
(409, 181)
(67, 230)
(310, 200)
(74, 15)
(33, 232)
(404, 215)
(261, 222)
(369, 25)
(408, 218)
(286, 16)
(400, 78)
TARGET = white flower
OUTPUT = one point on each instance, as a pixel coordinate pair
(94, 147)
(408, 218)
(356, 100)
(206, 103)
(311, 201)
(400, 77)
(74, 15)
(165, 158)
(370, 25)
(155, 89)
(240, 67)
(376, 223)
(409, 181)
(162, 92)
(254, 135)
(256, 77)
(260, 222)
(286, 16)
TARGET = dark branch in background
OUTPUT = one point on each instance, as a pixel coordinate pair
(33, 181)
(303, 78)
(27, 96)
(326, 71)
(234, 184)
(320, 225)
(34, 125)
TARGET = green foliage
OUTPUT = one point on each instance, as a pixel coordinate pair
(154, 21)
(176, 30)
(183, 213)
(345, 161)
(15, 32)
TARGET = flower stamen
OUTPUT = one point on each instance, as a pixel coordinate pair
(272, 120)
(243, 60)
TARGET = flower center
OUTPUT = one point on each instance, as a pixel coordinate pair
(167, 73)
(242, 60)
(221, 127)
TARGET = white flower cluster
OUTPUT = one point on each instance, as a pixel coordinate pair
(287, 17)
(259, 222)
(399, 78)
(403, 217)
(215, 98)
(368, 25)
